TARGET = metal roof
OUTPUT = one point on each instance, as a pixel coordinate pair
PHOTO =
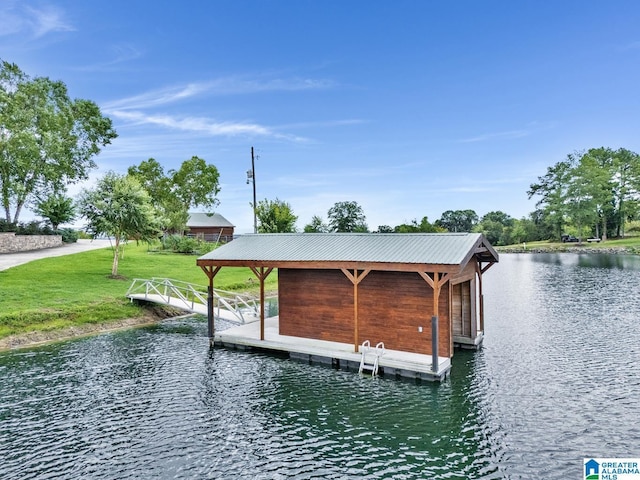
(408, 248)
(208, 220)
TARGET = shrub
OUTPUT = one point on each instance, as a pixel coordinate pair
(7, 226)
(182, 244)
(68, 235)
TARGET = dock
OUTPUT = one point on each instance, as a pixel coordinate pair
(393, 363)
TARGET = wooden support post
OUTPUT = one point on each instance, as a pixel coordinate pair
(356, 322)
(262, 274)
(434, 344)
(355, 278)
(210, 272)
(436, 283)
(210, 320)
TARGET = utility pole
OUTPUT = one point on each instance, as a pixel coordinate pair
(251, 176)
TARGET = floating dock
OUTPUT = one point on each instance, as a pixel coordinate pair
(392, 363)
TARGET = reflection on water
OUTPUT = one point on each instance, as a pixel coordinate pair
(556, 381)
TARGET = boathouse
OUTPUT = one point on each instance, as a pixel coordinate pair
(419, 294)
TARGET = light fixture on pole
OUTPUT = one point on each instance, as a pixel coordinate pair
(251, 177)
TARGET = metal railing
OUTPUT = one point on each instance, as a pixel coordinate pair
(192, 298)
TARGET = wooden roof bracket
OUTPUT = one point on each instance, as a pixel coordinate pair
(262, 275)
(355, 278)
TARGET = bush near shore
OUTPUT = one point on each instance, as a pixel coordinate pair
(73, 290)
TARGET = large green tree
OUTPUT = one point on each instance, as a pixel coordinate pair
(458, 220)
(121, 208)
(275, 216)
(496, 226)
(594, 189)
(194, 184)
(552, 189)
(47, 140)
(347, 217)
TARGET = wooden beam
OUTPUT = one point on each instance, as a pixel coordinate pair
(487, 267)
(338, 265)
(355, 278)
(210, 271)
(262, 275)
(436, 283)
(480, 271)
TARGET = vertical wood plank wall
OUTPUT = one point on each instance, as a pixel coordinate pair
(392, 305)
(315, 304)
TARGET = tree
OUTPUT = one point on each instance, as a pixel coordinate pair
(316, 225)
(57, 209)
(458, 220)
(552, 188)
(347, 217)
(47, 140)
(626, 188)
(195, 183)
(414, 227)
(119, 207)
(593, 190)
(275, 217)
(496, 226)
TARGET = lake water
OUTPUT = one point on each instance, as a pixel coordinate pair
(557, 380)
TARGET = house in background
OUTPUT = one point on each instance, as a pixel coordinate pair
(211, 227)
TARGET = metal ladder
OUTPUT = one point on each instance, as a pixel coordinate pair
(376, 353)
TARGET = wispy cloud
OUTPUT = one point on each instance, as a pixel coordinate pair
(17, 18)
(138, 109)
(120, 53)
(221, 86)
(530, 128)
(326, 123)
(496, 135)
(200, 125)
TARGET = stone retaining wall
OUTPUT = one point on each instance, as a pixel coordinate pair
(11, 243)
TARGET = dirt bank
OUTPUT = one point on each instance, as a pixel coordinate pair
(35, 338)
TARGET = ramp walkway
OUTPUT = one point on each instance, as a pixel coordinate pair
(230, 306)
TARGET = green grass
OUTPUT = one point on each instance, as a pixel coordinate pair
(630, 243)
(60, 292)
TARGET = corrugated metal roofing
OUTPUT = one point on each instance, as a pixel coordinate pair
(208, 220)
(427, 248)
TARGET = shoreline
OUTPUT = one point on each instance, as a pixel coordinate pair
(572, 249)
(38, 338)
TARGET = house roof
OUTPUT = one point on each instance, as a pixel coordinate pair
(347, 250)
(208, 220)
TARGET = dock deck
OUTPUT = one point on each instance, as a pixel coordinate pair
(340, 355)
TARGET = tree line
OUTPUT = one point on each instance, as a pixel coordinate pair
(48, 141)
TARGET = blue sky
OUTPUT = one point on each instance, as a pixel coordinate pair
(409, 108)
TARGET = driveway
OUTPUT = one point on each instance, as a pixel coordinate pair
(8, 260)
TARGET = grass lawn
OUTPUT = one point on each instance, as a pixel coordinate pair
(630, 243)
(75, 289)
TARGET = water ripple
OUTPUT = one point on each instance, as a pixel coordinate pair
(556, 381)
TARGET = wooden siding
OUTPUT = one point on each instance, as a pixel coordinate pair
(461, 312)
(391, 308)
(316, 304)
(212, 233)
